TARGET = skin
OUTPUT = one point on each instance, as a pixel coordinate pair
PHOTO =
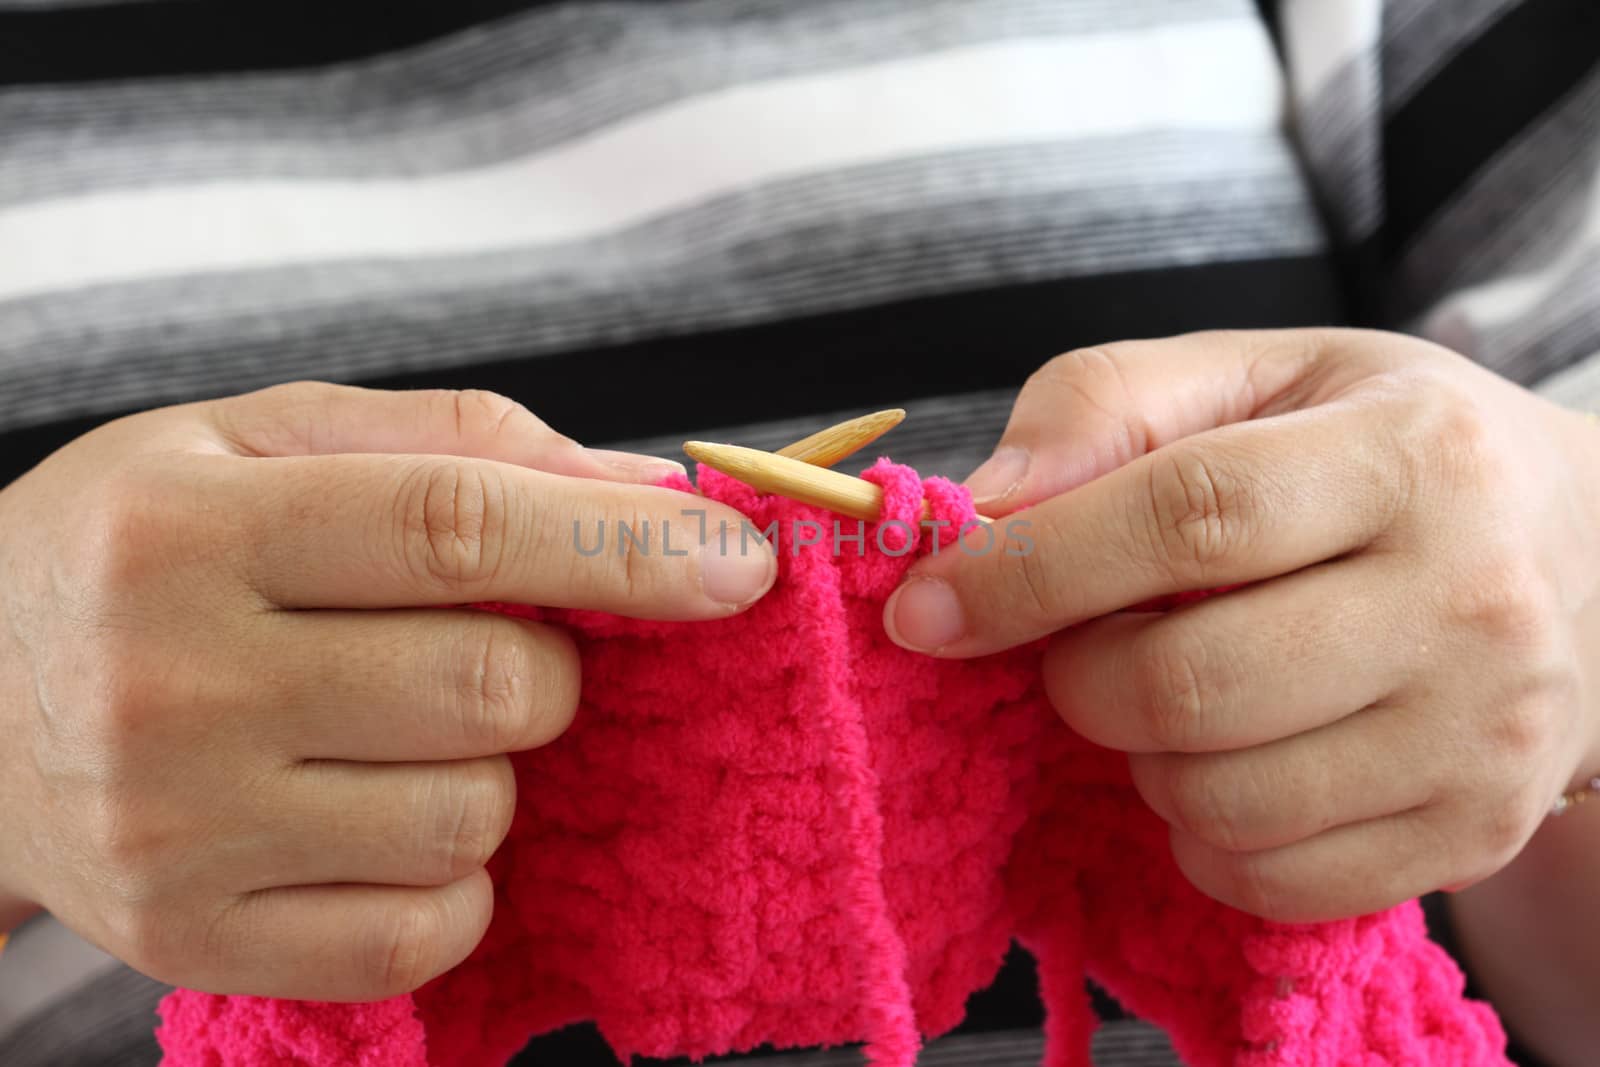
(1407, 682)
(252, 747)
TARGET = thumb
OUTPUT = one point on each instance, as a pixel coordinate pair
(316, 418)
(1093, 410)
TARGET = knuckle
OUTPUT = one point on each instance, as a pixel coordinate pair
(1253, 888)
(1508, 826)
(1463, 443)
(1504, 601)
(124, 855)
(1202, 804)
(454, 523)
(278, 419)
(519, 687)
(1445, 439)
(634, 575)
(493, 687)
(1067, 370)
(1172, 684)
(479, 411)
(1279, 368)
(630, 570)
(1095, 368)
(474, 807)
(128, 534)
(1406, 438)
(1200, 513)
(130, 847)
(304, 392)
(130, 695)
(1521, 730)
(293, 411)
(1094, 377)
(402, 953)
(1038, 589)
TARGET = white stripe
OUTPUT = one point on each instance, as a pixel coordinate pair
(1216, 75)
(1321, 36)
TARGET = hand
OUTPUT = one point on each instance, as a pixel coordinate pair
(1412, 675)
(245, 748)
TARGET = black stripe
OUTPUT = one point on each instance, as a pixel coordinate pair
(1270, 15)
(935, 346)
(176, 37)
(1483, 97)
(880, 355)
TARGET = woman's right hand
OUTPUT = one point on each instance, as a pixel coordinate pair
(241, 746)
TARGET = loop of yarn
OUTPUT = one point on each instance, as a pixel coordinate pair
(951, 507)
(900, 522)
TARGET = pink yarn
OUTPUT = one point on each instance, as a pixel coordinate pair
(781, 828)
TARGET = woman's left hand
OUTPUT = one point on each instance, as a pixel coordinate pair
(1412, 675)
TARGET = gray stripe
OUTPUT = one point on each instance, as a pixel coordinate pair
(1559, 330)
(1420, 36)
(1104, 176)
(494, 92)
(1576, 387)
(109, 1020)
(1517, 212)
(1130, 173)
(1339, 133)
(825, 243)
(42, 961)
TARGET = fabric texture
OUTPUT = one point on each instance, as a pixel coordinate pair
(781, 828)
(197, 200)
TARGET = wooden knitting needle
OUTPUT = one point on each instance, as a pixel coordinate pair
(795, 479)
(827, 447)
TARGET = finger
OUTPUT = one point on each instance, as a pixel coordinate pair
(1351, 870)
(1236, 504)
(410, 824)
(415, 685)
(341, 943)
(1092, 410)
(317, 418)
(1369, 765)
(405, 531)
(1250, 666)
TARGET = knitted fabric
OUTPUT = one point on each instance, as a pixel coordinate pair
(781, 828)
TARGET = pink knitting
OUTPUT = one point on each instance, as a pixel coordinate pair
(781, 828)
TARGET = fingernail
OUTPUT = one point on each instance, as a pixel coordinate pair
(1000, 475)
(647, 470)
(736, 573)
(924, 615)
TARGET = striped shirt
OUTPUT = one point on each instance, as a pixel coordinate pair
(614, 210)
